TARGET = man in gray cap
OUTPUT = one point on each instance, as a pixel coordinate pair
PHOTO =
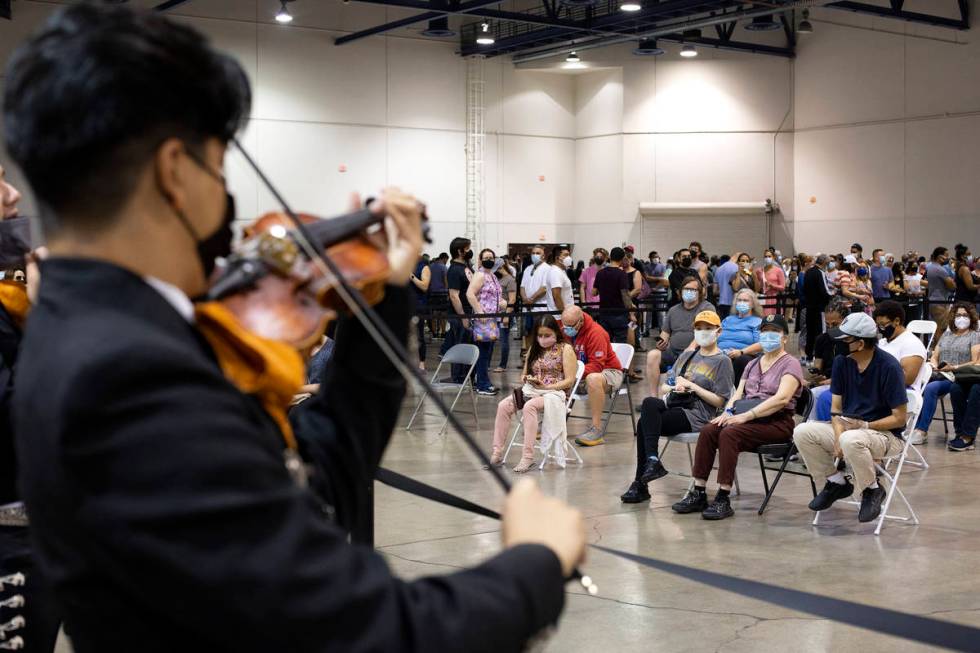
(867, 411)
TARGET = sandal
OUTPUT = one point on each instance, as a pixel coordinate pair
(524, 465)
(496, 459)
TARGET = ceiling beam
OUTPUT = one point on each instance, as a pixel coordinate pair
(963, 23)
(433, 10)
(169, 4)
(436, 10)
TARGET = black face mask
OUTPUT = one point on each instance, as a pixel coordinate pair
(887, 331)
(468, 255)
(488, 264)
(686, 262)
(599, 260)
(218, 244)
(841, 348)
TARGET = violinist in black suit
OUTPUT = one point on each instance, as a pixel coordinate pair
(164, 513)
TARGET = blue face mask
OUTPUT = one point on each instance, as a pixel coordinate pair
(689, 296)
(770, 341)
(571, 332)
(881, 260)
(831, 265)
(535, 259)
(742, 307)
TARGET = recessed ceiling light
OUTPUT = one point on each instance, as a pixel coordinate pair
(284, 16)
(648, 47)
(763, 24)
(805, 27)
(439, 28)
(484, 37)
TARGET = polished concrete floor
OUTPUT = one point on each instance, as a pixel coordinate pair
(927, 569)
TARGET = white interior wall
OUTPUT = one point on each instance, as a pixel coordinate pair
(389, 109)
(865, 131)
(887, 143)
(669, 129)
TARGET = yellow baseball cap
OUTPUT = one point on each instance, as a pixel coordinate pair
(708, 316)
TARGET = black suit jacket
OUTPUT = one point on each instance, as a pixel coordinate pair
(815, 289)
(166, 520)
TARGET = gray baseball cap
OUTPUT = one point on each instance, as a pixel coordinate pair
(855, 325)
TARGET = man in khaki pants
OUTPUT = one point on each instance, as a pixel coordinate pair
(867, 419)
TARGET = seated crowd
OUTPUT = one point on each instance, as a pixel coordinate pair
(727, 374)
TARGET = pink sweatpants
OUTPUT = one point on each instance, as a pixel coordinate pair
(501, 427)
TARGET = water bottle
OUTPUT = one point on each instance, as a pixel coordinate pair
(671, 378)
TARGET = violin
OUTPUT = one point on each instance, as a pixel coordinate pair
(269, 303)
(274, 289)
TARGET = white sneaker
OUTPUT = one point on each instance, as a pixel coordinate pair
(919, 436)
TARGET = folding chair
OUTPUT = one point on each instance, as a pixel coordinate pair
(786, 450)
(924, 329)
(689, 439)
(624, 353)
(579, 373)
(913, 408)
(918, 387)
(457, 355)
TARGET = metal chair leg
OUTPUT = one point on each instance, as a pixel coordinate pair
(513, 439)
(629, 400)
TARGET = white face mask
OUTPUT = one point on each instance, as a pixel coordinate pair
(567, 261)
(962, 322)
(705, 337)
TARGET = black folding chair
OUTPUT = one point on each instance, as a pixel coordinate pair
(787, 450)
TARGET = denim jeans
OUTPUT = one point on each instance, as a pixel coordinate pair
(934, 391)
(504, 345)
(482, 371)
(456, 335)
(966, 408)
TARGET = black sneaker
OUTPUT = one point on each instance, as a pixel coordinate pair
(831, 492)
(871, 500)
(653, 471)
(695, 500)
(637, 493)
(720, 508)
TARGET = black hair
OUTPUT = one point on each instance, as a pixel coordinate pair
(890, 309)
(652, 254)
(858, 247)
(457, 245)
(443, 256)
(555, 251)
(961, 251)
(535, 350)
(617, 254)
(939, 251)
(91, 96)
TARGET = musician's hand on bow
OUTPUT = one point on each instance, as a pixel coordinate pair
(404, 227)
(530, 517)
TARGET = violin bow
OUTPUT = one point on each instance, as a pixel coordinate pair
(394, 350)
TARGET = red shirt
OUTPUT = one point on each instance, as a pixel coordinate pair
(593, 348)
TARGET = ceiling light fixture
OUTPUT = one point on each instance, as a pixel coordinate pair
(763, 24)
(573, 58)
(439, 28)
(630, 5)
(648, 47)
(284, 16)
(805, 27)
(689, 51)
(484, 37)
